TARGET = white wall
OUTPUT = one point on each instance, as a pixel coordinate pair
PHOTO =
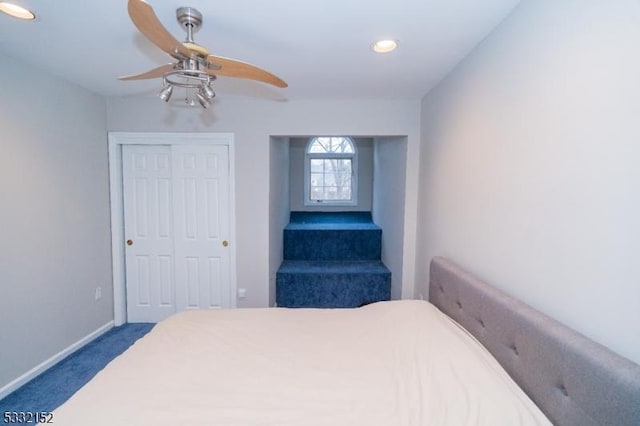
(253, 122)
(390, 158)
(364, 147)
(530, 165)
(54, 216)
(278, 207)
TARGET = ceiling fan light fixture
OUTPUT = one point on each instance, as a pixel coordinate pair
(165, 93)
(385, 46)
(207, 92)
(204, 101)
(16, 11)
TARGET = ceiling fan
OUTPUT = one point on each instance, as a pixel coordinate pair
(193, 67)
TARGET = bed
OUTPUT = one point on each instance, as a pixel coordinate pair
(389, 363)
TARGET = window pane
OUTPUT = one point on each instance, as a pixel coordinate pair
(341, 166)
(330, 180)
(317, 194)
(342, 145)
(342, 180)
(345, 193)
(317, 166)
(335, 145)
(317, 179)
(331, 193)
(320, 145)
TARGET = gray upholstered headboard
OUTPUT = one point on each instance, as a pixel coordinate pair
(573, 380)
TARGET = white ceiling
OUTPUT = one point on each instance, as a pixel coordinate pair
(321, 48)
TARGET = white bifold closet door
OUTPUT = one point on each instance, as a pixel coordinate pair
(176, 214)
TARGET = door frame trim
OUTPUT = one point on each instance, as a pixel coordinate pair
(116, 140)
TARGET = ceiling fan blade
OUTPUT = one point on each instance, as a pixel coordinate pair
(147, 22)
(154, 73)
(233, 68)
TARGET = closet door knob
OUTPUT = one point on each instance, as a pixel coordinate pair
(225, 243)
(129, 242)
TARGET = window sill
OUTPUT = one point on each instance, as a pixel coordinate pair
(308, 203)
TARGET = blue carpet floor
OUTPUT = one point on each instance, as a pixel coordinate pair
(53, 387)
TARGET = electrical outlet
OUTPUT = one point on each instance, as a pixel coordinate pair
(242, 293)
(98, 293)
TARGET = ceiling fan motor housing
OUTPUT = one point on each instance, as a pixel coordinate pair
(189, 18)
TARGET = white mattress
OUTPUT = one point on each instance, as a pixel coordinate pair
(389, 363)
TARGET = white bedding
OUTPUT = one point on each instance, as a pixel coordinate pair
(389, 363)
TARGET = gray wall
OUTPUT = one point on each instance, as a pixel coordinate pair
(364, 148)
(278, 207)
(389, 184)
(54, 233)
(530, 165)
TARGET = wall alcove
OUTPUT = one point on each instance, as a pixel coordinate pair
(381, 185)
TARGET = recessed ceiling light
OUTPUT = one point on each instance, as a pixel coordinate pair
(16, 11)
(385, 46)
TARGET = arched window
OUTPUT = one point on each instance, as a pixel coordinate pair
(331, 171)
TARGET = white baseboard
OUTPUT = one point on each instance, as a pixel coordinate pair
(15, 384)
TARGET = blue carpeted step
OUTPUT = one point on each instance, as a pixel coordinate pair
(331, 284)
(331, 244)
(332, 236)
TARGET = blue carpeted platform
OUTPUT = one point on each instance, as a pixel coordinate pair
(332, 260)
(332, 218)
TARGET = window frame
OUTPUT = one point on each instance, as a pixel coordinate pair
(308, 156)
